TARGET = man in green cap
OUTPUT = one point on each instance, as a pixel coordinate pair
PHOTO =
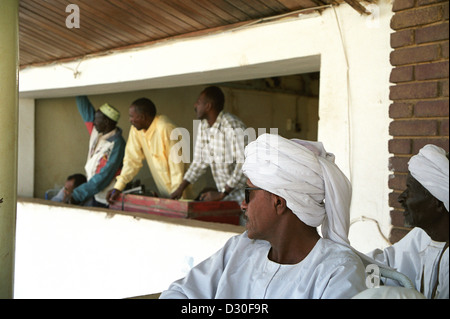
(105, 154)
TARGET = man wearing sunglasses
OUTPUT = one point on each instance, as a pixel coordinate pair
(293, 187)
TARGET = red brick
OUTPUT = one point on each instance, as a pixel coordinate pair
(432, 33)
(393, 199)
(417, 144)
(397, 218)
(400, 146)
(400, 110)
(397, 234)
(444, 88)
(428, 71)
(414, 91)
(444, 50)
(415, 54)
(397, 181)
(444, 127)
(431, 108)
(398, 164)
(425, 2)
(399, 5)
(402, 74)
(416, 17)
(402, 38)
(414, 128)
(445, 8)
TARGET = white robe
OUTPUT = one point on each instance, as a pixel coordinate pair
(242, 270)
(417, 255)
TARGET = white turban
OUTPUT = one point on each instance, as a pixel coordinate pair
(305, 175)
(430, 168)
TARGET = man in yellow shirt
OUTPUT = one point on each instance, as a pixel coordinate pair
(149, 138)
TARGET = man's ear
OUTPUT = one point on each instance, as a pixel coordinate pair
(440, 205)
(141, 116)
(280, 204)
(208, 106)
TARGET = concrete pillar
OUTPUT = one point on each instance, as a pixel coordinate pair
(9, 35)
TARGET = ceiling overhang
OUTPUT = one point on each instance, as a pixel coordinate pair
(48, 29)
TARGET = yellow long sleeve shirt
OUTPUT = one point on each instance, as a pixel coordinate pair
(154, 145)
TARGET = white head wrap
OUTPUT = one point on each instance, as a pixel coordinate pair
(430, 168)
(305, 175)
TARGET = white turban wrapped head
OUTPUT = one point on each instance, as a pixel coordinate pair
(430, 168)
(305, 175)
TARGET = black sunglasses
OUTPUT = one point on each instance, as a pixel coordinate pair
(247, 192)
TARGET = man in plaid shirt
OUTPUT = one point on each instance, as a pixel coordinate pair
(220, 144)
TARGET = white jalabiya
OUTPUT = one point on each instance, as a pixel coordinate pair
(241, 269)
(420, 258)
(389, 292)
(430, 168)
(305, 175)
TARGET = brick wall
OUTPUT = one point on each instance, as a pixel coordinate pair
(419, 94)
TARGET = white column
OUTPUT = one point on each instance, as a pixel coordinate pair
(26, 148)
(9, 26)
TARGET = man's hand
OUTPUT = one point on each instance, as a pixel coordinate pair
(178, 193)
(212, 196)
(112, 195)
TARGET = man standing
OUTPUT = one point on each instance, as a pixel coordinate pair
(422, 254)
(106, 150)
(220, 144)
(149, 139)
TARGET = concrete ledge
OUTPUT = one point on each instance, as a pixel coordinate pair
(66, 251)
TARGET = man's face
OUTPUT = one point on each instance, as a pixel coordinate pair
(100, 121)
(200, 107)
(259, 213)
(136, 119)
(69, 186)
(418, 203)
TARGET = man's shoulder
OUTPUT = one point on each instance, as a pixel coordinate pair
(335, 252)
(164, 122)
(243, 240)
(231, 120)
(117, 137)
(415, 239)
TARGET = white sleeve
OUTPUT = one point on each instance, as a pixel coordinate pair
(202, 281)
(348, 280)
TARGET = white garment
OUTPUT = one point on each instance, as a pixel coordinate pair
(417, 255)
(305, 175)
(389, 292)
(242, 270)
(99, 149)
(430, 168)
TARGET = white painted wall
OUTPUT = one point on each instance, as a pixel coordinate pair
(25, 165)
(66, 252)
(351, 51)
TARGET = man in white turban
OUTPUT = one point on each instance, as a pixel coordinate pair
(422, 254)
(293, 186)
